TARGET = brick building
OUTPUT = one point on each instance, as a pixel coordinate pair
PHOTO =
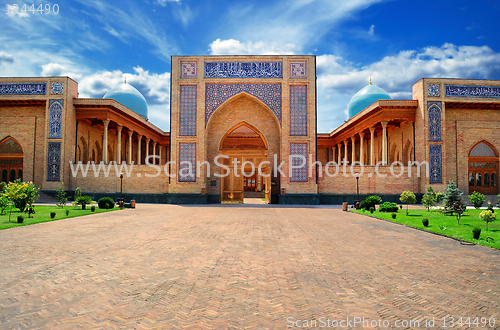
(251, 114)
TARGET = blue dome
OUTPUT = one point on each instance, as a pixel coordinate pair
(127, 95)
(365, 97)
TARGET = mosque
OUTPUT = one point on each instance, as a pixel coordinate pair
(231, 115)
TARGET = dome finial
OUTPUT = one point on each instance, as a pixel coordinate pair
(126, 79)
(370, 80)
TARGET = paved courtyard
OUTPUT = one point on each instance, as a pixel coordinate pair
(232, 267)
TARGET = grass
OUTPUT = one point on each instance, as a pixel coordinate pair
(447, 224)
(42, 214)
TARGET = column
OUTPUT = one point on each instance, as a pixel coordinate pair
(129, 156)
(119, 143)
(154, 152)
(147, 150)
(372, 146)
(159, 153)
(339, 155)
(105, 141)
(139, 139)
(362, 148)
(353, 151)
(384, 142)
(345, 151)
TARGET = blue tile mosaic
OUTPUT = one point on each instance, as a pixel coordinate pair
(54, 161)
(187, 110)
(187, 155)
(436, 167)
(298, 69)
(216, 94)
(243, 69)
(434, 110)
(433, 90)
(472, 91)
(299, 174)
(55, 122)
(23, 88)
(189, 70)
(298, 110)
(57, 88)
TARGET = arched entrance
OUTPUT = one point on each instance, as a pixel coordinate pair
(483, 169)
(11, 160)
(244, 148)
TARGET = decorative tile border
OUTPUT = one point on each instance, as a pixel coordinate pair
(472, 91)
(298, 69)
(299, 174)
(57, 88)
(55, 122)
(434, 111)
(189, 70)
(187, 162)
(187, 110)
(433, 90)
(298, 110)
(216, 94)
(54, 161)
(23, 88)
(243, 69)
(435, 158)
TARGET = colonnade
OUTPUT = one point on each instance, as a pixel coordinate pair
(139, 160)
(371, 161)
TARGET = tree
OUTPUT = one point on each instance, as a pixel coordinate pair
(477, 199)
(451, 196)
(487, 216)
(428, 201)
(408, 197)
(459, 208)
(22, 194)
(83, 201)
(61, 197)
(370, 201)
(4, 203)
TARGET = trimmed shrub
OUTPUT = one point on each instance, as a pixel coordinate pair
(20, 219)
(106, 203)
(394, 215)
(425, 222)
(488, 217)
(92, 208)
(476, 232)
(372, 209)
(490, 208)
(370, 201)
(388, 207)
(400, 207)
(52, 215)
(67, 212)
(477, 199)
(83, 201)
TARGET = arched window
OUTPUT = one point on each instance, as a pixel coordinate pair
(483, 168)
(11, 159)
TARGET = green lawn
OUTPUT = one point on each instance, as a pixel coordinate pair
(42, 214)
(446, 224)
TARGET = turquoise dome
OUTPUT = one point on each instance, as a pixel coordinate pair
(127, 95)
(365, 97)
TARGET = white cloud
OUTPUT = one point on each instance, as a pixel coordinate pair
(236, 47)
(164, 2)
(6, 58)
(371, 31)
(14, 10)
(339, 80)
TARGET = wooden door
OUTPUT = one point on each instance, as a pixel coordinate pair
(232, 186)
(267, 185)
(483, 181)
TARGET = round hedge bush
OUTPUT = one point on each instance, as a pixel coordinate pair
(106, 201)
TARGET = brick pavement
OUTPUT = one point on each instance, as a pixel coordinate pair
(232, 267)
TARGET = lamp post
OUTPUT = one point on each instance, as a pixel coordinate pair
(357, 191)
(121, 189)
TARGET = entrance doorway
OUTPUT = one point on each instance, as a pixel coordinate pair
(483, 169)
(244, 148)
(11, 160)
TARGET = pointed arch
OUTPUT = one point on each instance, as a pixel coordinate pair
(483, 168)
(11, 159)
(240, 95)
(483, 148)
(241, 124)
(407, 152)
(9, 145)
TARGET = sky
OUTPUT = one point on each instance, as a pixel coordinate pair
(395, 43)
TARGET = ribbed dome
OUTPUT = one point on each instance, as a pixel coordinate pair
(365, 97)
(127, 95)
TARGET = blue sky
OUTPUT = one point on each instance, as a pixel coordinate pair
(394, 42)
